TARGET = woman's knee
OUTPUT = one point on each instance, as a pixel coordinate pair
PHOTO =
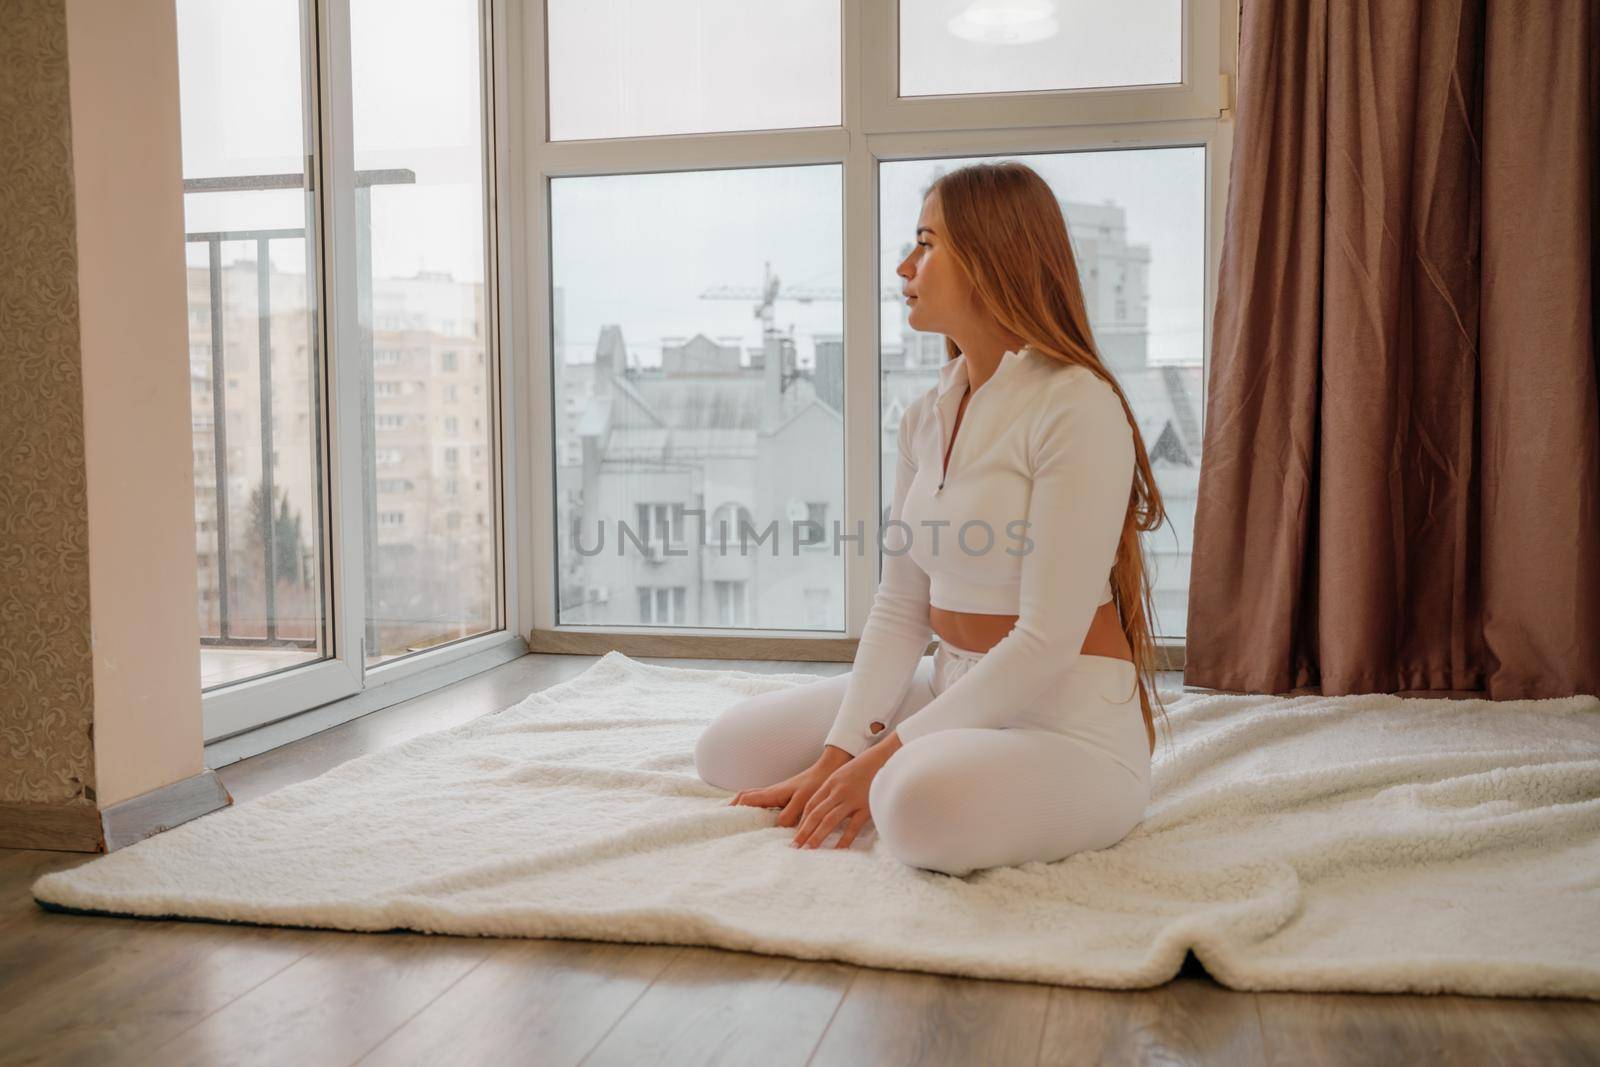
(909, 805)
(936, 807)
(766, 737)
(719, 750)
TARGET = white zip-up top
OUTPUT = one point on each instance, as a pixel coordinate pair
(1025, 520)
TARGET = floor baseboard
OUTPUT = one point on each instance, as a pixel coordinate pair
(88, 828)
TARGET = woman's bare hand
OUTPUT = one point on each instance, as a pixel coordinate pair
(791, 794)
(840, 802)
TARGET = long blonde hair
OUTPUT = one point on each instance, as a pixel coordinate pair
(1004, 226)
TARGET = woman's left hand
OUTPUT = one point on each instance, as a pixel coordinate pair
(842, 798)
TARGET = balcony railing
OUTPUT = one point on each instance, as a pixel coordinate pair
(218, 423)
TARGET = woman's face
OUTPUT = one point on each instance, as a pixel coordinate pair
(936, 289)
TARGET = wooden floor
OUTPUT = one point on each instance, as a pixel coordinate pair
(84, 990)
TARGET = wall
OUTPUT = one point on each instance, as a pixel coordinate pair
(46, 673)
(99, 639)
(127, 165)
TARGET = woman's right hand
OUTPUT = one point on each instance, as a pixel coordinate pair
(792, 793)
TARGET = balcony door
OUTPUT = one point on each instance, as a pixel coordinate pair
(342, 354)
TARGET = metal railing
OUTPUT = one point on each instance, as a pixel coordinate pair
(263, 239)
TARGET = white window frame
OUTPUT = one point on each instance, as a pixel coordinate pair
(876, 127)
(259, 713)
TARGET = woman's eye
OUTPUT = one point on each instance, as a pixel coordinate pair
(922, 244)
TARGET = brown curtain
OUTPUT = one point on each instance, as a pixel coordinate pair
(1400, 489)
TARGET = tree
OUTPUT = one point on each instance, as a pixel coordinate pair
(289, 541)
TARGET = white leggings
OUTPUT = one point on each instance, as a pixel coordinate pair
(1071, 773)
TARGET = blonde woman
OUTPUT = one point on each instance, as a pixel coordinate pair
(1022, 487)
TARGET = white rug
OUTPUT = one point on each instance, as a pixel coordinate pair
(1362, 843)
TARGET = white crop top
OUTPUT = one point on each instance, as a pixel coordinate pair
(1024, 521)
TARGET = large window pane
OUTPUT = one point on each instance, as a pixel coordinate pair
(630, 68)
(253, 357)
(999, 46)
(1136, 219)
(698, 391)
(430, 473)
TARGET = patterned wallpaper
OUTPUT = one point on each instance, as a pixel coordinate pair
(46, 664)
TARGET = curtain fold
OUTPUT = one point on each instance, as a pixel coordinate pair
(1400, 483)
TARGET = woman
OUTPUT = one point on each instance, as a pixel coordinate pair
(1021, 490)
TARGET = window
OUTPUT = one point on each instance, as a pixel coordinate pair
(312, 277)
(730, 603)
(706, 297)
(1009, 46)
(726, 522)
(635, 68)
(817, 534)
(660, 523)
(662, 605)
(687, 393)
(418, 124)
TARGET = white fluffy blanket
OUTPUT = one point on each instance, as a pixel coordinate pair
(1365, 843)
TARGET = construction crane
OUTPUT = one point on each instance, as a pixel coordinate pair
(771, 290)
